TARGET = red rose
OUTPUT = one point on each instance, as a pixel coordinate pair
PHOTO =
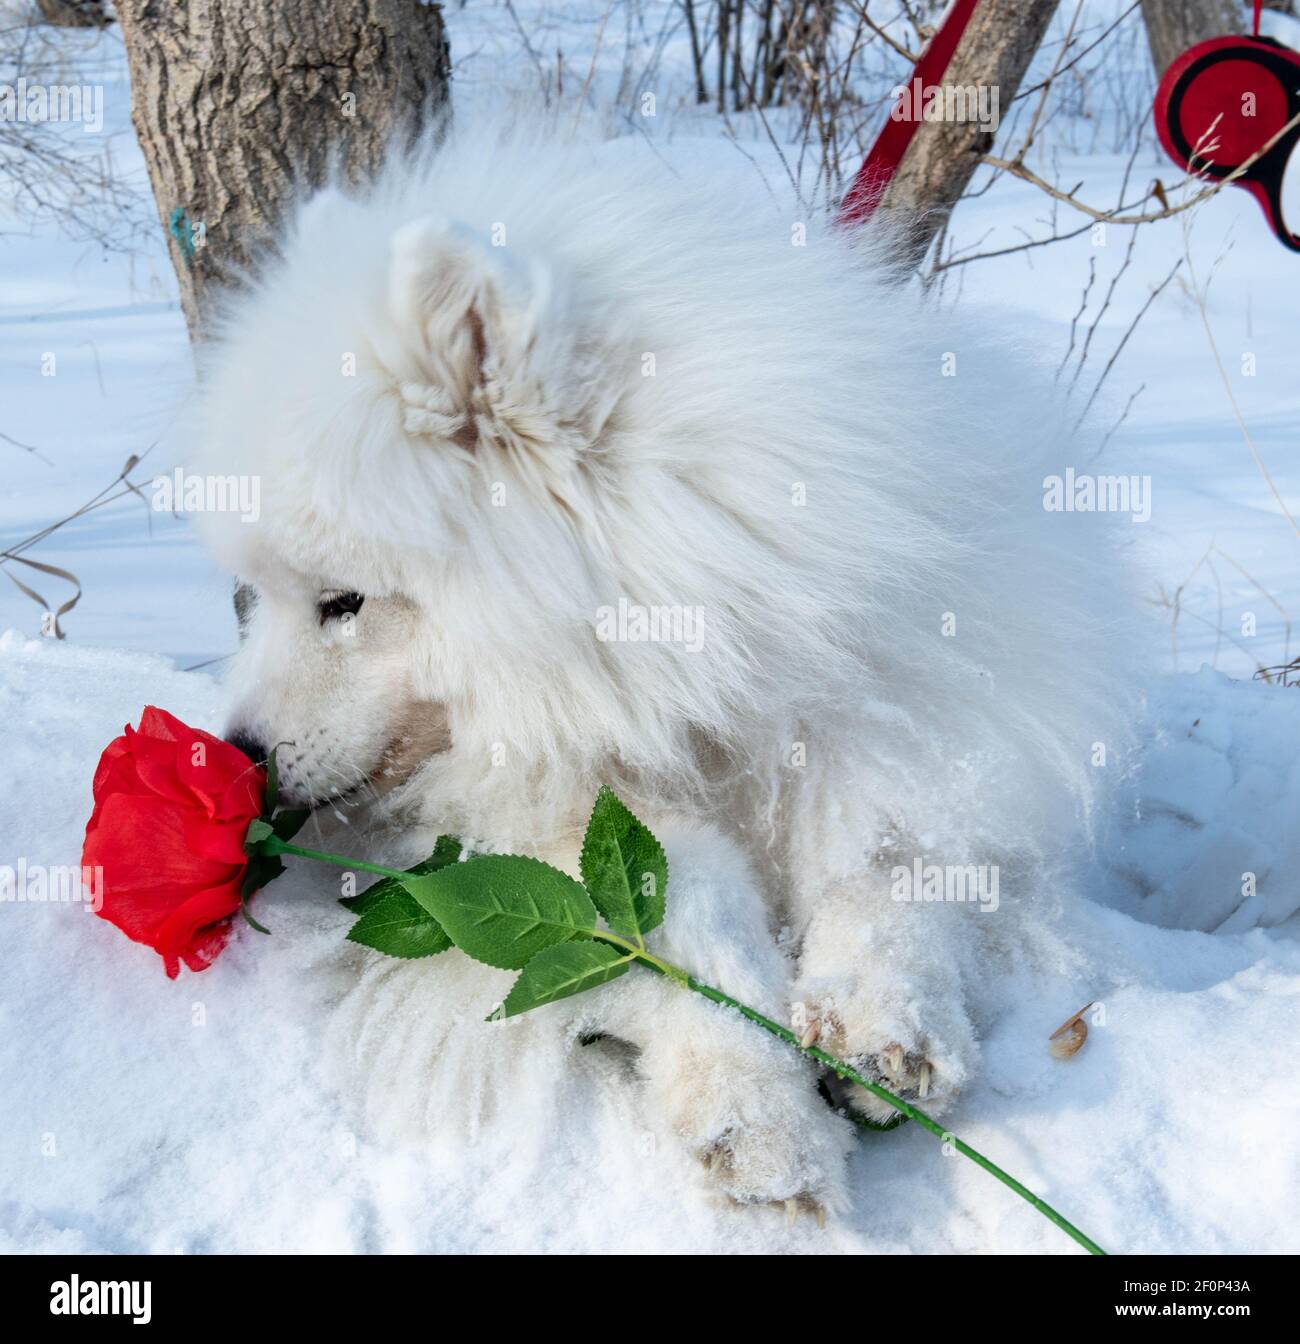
(172, 807)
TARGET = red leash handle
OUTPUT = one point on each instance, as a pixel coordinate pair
(886, 154)
(1220, 103)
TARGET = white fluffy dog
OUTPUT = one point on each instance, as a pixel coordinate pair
(577, 471)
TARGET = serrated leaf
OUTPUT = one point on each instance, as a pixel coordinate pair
(398, 925)
(624, 867)
(562, 971)
(503, 909)
(446, 851)
(365, 901)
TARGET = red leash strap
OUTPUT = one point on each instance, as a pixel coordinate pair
(881, 164)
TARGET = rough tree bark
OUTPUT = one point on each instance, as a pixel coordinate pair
(75, 13)
(995, 51)
(1174, 25)
(241, 104)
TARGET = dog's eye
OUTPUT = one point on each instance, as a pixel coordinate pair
(337, 605)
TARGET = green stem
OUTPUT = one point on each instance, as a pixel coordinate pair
(839, 1067)
(273, 845)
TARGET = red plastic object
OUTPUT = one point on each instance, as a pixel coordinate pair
(1224, 99)
(891, 144)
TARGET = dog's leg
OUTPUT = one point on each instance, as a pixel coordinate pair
(745, 1104)
(881, 985)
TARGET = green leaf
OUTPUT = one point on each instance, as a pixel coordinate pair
(258, 830)
(365, 901)
(289, 821)
(446, 851)
(503, 909)
(561, 971)
(391, 920)
(624, 867)
(262, 868)
(400, 926)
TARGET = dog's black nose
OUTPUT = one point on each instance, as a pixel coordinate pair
(249, 745)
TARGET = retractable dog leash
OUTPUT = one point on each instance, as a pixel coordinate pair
(1219, 104)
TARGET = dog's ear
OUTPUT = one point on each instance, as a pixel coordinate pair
(488, 352)
(468, 317)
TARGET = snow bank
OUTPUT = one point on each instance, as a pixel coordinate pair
(148, 1115)
(1207, 836)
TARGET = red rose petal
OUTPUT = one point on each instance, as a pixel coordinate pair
(185, 930)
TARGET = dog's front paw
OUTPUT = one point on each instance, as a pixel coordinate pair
(762, 1135)
(909, 1074)
(756, 1164)
(923, 1053)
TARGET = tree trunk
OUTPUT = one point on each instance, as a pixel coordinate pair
(806, 40)
(74, 13)
(1175, 25)
(240, 105)
(995, 51)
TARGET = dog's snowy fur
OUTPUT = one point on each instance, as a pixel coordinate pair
(517, 383)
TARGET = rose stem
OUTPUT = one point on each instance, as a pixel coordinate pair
(274, 845)
(838, 1066)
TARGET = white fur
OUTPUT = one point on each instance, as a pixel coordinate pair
(500, 467)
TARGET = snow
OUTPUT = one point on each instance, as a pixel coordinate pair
(155, 1116)
(1213, 799)
(193, 1116)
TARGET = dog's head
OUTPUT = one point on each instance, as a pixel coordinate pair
(564, 483)
(428, 425)
(418, 411)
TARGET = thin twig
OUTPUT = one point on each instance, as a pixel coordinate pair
(1018, 169)
(1110, 363)
(1198, 297)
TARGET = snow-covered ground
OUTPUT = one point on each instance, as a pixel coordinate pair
(157, 1116)
(151, 1115)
